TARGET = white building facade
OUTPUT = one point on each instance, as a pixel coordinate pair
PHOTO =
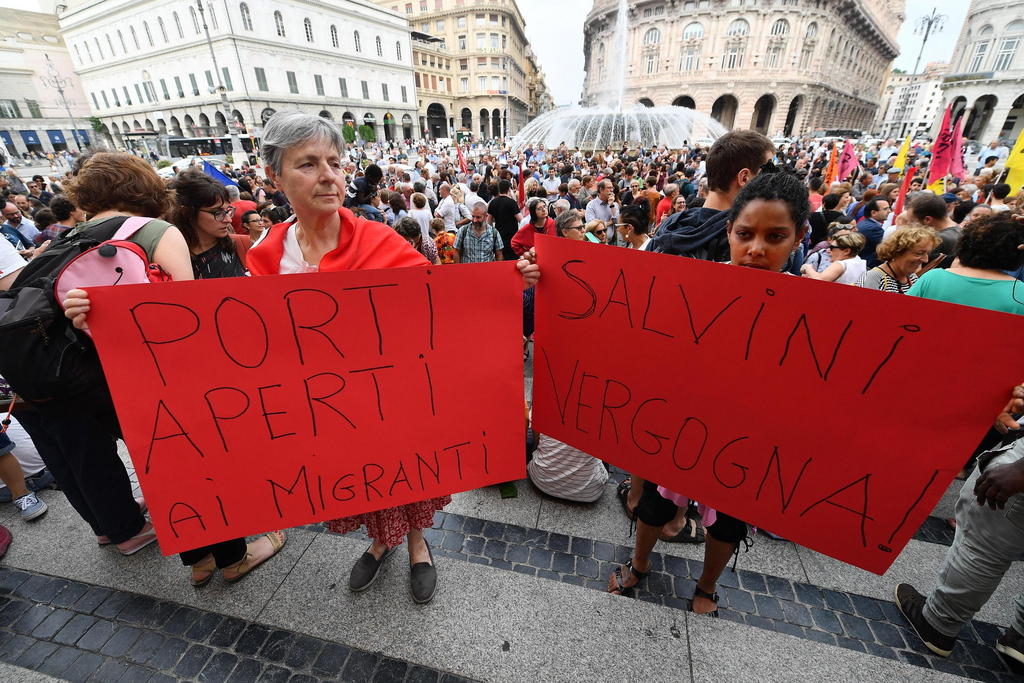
(914, 103)
(985, 82)
(33, 117)
(149, 74)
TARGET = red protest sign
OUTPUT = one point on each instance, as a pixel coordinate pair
(811, 409)
(251, 404)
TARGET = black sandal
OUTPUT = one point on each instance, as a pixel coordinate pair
(622, 491)
(685, 535)
(620, 588)
(713, 597)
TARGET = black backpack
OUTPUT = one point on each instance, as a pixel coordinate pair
(42, 356)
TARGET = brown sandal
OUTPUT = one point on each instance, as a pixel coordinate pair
(242, 568)
(203, 571)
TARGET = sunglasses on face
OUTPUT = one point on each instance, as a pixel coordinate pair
(602, 231)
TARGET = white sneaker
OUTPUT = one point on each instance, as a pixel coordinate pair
(30, 506)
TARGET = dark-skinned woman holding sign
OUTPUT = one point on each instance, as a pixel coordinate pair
(302, 154)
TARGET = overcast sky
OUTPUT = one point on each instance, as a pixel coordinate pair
(555, 29)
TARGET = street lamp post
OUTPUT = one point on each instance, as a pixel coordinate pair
(236, 146)
(508, 86)
(927, 24)
(57, 82)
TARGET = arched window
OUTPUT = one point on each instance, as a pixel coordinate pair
(358, 43)
(78, 54)
(985, 31)
(811, 32)
(693, 31)
(652, 37)
(149, 36)
(120, 37)
(279, 24)
(135, 38)
(739, 27)
(398, 49)
(1008, 46)
(780, 27)
(380, 48)
(308, 25)
(88, 52)
(334, 36)
(1014, 27)
(246, 17)
(163, 29)
(110, 44)
(99, 50)
(213, 17)
(195, 19)
(177, 25)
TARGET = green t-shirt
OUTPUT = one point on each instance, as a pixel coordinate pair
(995, 295)
(147, 237)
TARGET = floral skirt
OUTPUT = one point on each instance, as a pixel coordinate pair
(392, 525)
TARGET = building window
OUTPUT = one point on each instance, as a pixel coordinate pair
(690, 60)
(733, 58)
(177, 86)
(318, 82)
(380, 47)
(408, 8)
(9, 109)
(227, 78)
(464, 85)
(334, 36)
(481, 82)
(135, 38)
(120, 37)
(163, 29)
(462, 42)
(99, 50)
(261, 79)
(308, 25)
(194, 84)
(343, 84)
(773, 58)
(494, 41)
(110, 44)
(279, 24)
(693, 31)
(138, 93)
(463, 65)
(978, 57)
(651, 64)
(398, 49)
(246, 16)
(366, 90)
(405, 94)
(213, 17)
(481, 41)
(117, 100)
(805, 58)
(195, 19)
(739, 27)
(33, 109)
(439, 24)
(293, 84)
(780, 27)
(384, 91)
(106, 102)
(358, 43)
(177, 25)
(652, 37)
(149, 36)
(163, 88)
(127, 96)
(1007, 50)
(461, 21)
(811, 32)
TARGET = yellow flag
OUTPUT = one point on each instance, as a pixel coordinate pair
(901, 155)
(1015, 165)
(938, 187)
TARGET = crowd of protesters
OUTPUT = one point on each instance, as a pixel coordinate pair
(743, 201)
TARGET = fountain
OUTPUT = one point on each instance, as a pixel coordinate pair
(611, 125)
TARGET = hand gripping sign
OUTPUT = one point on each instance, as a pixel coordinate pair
(814, 410)
(251, 404)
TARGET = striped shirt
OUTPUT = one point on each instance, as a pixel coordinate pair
(565, 472)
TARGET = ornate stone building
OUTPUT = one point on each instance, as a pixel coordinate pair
(985, 82)
(778, 66)
(496, 84)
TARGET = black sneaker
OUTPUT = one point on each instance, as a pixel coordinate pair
(911, 604)
(1011, 644)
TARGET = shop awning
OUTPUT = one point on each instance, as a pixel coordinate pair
(56, 137)
(30, 137)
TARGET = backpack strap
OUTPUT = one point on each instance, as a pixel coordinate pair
(131, 226)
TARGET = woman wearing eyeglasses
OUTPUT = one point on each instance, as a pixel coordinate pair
(846, 267)
(203, 215)
(596, 231)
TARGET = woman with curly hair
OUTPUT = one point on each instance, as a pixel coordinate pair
(988, 248)
(902, 253)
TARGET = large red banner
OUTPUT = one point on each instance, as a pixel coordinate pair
(252, 404)
(832, 415)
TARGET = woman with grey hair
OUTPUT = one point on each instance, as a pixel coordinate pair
(302, 155)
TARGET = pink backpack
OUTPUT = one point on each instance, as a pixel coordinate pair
(114, 262)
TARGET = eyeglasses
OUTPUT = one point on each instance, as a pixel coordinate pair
(220, 214)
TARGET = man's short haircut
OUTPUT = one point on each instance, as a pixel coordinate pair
(62, 208)
(873, 205)
(504, 186)
(733, 152)
(671, 189)
(373, 174)
(928, 206)
(831, 201)
(1001, 191)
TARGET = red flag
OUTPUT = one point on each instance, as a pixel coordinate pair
(904, 188)
(462, 159)
(956, 167)
(942, 150)
(522, 187)
(847, 161)
(830, 170)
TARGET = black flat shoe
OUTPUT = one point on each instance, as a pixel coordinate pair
(423, 579)
(366, 569)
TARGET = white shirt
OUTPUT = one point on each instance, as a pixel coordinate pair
(291, 259)
(853, 270)
(10, 259)
(451, 213)
(422, 216)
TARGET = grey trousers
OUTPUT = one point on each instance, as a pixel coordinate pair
(986, 543)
